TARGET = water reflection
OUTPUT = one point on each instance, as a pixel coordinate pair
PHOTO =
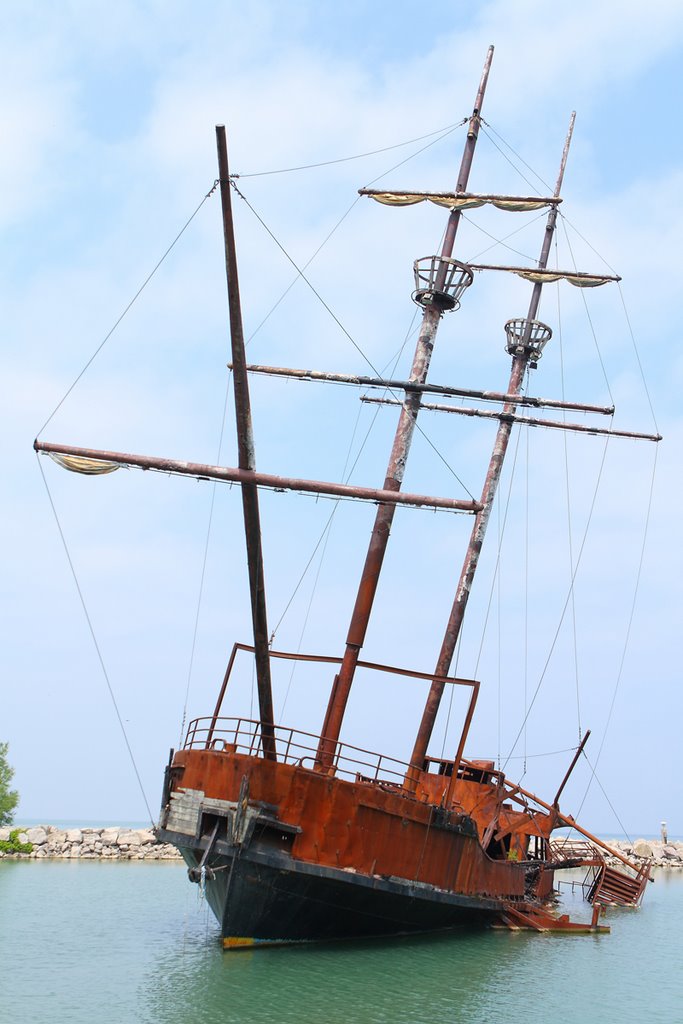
(425, 979)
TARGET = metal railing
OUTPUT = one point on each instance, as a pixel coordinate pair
(574, 849)
(243, 736)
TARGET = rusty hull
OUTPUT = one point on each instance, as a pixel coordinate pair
(376, 829)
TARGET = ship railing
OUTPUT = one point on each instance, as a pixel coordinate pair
(295, 747)
(391, 770)
(562, 850)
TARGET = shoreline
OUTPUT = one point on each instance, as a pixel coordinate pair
(115, 842)
(112, 842)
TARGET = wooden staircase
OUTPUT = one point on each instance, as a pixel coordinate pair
(608, 886)
(614, 888)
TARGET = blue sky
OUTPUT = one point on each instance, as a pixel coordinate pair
(109, 117)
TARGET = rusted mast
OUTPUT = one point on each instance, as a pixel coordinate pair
(397, 460)
(247, 461)
(520, 362)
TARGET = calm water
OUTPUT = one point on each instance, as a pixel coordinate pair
(131, 942)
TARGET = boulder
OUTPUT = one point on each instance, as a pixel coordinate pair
(670, 852)
(641, 848)
(74, 835)
(129, 838)
(4, 834)
(37, 836)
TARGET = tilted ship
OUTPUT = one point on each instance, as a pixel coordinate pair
(297, 837)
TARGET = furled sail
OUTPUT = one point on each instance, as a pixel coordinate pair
(462, 200)
(537, 276)
(78, 464)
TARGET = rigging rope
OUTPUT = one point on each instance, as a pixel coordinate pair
(590, 321)
(612, 808)
(328, 526)
(629, 624)
(204, 560)
(569, 514)
(220, 444)
(566, 603)
(501, 534)
(526, 548)
(545, 184)
(501, 241)
(498, 629)
(637, 355)
(346, 333)
(95, 642)
(128, 307)
(498, 553)
(441, 132)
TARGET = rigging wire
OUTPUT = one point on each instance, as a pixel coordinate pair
(498, 624)
(566, 603)
(569, 513)
(612, 808)
(324, 540)
(490, 601)
(329, 522)
(526, 551)
(343, 217)
(326, 532)
(346, 478)
(501, 241)
(637, 355)
(629, 624)
(204, 560)
(95, 641)
(306, 280)
(588, 316)
(442, 132)
(609, 266)
(128, 307)
(225, 406)
(547, 753)
(498, 553)
(545, 184)
(346, 333)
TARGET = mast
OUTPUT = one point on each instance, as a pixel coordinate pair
(247, 461)
(379, 539)
(525, 341)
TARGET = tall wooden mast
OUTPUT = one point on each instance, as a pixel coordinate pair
(399, 454)
(247, 461)
(525, 341)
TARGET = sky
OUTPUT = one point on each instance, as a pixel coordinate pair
(108, 115)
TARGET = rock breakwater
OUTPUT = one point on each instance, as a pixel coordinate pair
(116, 843)
(667, 855)
(110, 843)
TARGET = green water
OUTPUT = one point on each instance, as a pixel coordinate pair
(131, 942)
